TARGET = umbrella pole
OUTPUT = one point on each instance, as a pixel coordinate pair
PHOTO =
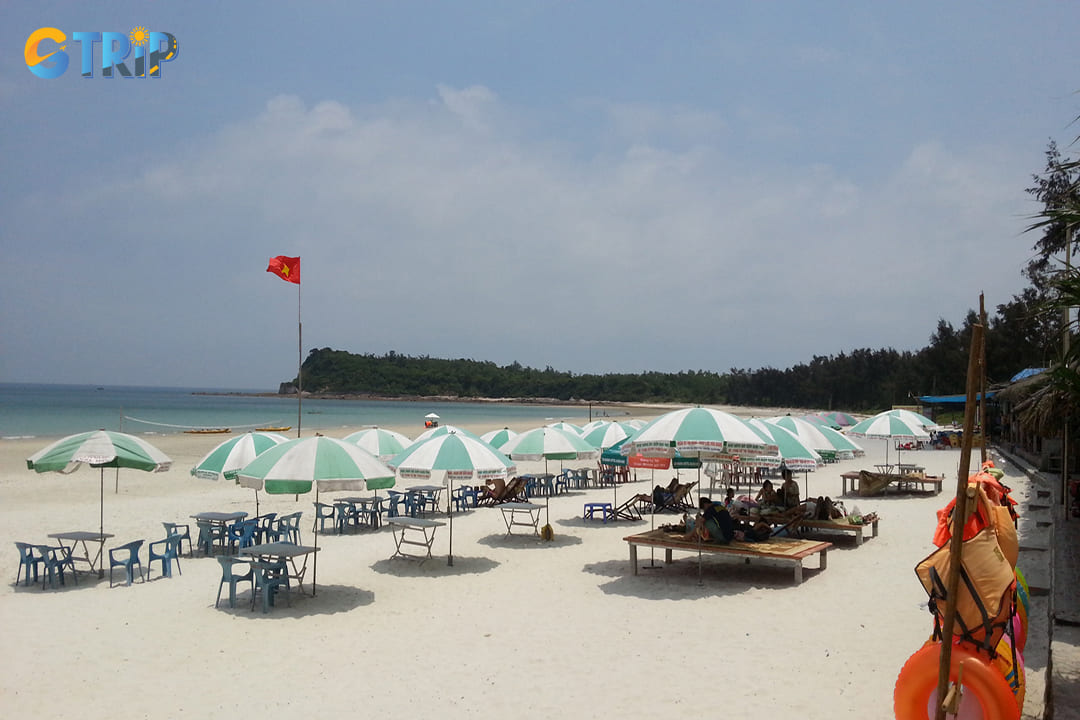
(450, 512)
(315, 560)
(257, 502)
(101, 506)
(116, 487)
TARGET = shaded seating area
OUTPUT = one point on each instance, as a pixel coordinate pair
(675, 498)
(126, 556)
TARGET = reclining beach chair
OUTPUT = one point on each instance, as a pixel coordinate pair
(680, 500)
(631, 509)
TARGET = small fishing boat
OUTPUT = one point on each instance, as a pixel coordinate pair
(208, 431)
(281, 428)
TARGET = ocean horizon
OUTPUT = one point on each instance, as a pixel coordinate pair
(29, 410)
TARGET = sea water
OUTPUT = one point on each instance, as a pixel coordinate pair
(34, 410)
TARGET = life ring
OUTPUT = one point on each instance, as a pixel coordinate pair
(1023, 597)
(987, 696)
(1022, 581)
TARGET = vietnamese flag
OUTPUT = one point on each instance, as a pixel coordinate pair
(286, 268)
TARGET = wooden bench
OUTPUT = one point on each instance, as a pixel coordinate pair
(902, 483)
(814, 527)
(784, 551)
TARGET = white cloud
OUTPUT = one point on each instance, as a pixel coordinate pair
(473, 238)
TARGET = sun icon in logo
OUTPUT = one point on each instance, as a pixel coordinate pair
(139, 36)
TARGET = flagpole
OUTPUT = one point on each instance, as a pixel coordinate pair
(299, 361)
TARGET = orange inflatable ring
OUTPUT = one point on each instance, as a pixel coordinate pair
(987, 696)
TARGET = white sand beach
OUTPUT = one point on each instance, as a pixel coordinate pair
(516, 627)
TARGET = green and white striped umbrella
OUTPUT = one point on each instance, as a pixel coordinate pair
(792, 452)
(549, 443)
(380, 442)
(890, 427)
(812, 436)
(100, 449)
(292, 467)
(496, 438)
(912, 418)
(225, 460)
(567, 427)
(607, 434)
(455, 456)
(843, 444)
(443, 430)
(698, 432)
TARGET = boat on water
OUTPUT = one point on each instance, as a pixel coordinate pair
(282, 428)
(208, 431)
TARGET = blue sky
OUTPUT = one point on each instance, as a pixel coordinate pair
(591, 186)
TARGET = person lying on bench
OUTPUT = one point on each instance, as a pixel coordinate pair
(712, 524)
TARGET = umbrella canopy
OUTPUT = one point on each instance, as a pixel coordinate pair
(846, 448)
(607, 434)
(890, 427)
(912, 418)
(380, 442)
(567, 427)
(549, 443)
(226, 459)
(699, 432)
(443, 430)
(292, 467)
(458, 457)
(810, 435)
(100, 449)
(792, 451)
(496, 438)
(842, 419)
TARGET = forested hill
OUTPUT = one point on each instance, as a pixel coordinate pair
(860, 380)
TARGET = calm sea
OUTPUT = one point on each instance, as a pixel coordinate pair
(30, 410)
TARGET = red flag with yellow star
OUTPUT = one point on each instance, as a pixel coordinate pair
(286, 268)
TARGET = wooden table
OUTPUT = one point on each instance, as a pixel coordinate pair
(779, 550)
(813, 527)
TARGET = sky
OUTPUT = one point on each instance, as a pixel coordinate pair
(596, 187)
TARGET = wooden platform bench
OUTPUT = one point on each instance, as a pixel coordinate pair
(902, 484)
(824, 527)
(783, 551)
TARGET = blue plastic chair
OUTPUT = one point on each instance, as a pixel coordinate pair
(265, 531)
(127, 557)
(28, 560)
(241, 535)
(289, 528)
(181, 529)
(210, 534)
(270, 578)
(396, 503)
(54, 560)
(228, 575)
(164, 551)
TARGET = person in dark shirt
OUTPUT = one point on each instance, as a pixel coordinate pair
(713, 523)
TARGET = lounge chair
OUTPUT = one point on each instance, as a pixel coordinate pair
(631, 509)
(511, 492)
(679, 501)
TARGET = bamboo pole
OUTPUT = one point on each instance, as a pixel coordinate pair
(960, 515)
(983, 423)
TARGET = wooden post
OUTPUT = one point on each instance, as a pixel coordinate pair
(982, 381)
(959, 519)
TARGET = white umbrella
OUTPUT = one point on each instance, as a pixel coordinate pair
(889, 426)
(457, 457)
(228, 457)
(496, 438)
(443, 430)
(567, 427)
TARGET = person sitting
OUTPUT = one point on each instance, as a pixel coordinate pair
(767, 494)
(712, 524)
(789, 490)
(494, 488)
(729, 498)
(663, 496)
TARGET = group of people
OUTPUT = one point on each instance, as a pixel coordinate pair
(720, 522)
(786, 497)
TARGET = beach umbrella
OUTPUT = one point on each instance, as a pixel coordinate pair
(607, 434)
(496, 438)
(842, 419)
(810, 435)
(100, 449)
(326, 463)
(567, 427)
(911, 417)
(226, 459)
(891, 427)
(380, 442)
(792, 452)
(456, 456)
(698, 432)
(846, 448)
(443, 430)
(549, 443)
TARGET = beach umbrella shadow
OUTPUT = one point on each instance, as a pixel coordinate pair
(333, 599)
(463, 565)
